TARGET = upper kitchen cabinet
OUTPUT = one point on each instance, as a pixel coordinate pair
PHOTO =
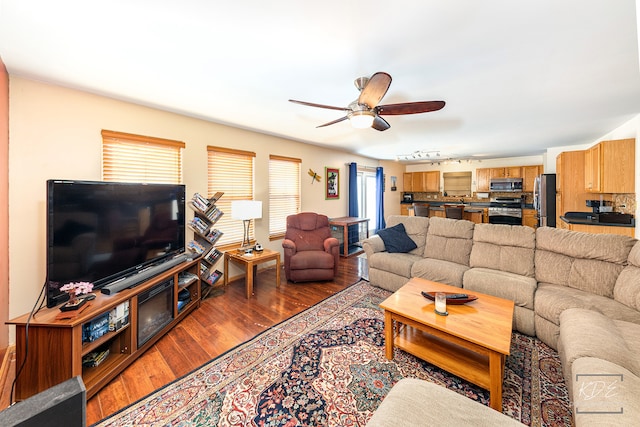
(483, 176)
(422, 182)
(507, 172)
(407, 181)
(609, 167)
(529, 174)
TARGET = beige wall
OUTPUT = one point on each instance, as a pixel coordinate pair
(55, 134)
(4, 201)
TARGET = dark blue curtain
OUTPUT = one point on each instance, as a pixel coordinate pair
(380, 223)
(353, 189)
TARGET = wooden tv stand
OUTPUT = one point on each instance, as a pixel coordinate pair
(56, 347)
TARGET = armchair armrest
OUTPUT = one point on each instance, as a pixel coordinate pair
(372, 245)
(330, 243)
(289, 246)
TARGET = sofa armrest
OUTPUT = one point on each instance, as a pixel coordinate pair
(372, 245)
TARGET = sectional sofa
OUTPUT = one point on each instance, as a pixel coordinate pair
(577, 292)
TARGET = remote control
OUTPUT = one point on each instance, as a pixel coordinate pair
(457, 296)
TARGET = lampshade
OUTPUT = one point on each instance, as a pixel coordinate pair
(246, 209)
(361, 119)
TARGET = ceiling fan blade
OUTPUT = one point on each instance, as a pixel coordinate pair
(409, 108)
(311, 104)
(333, 122)
(380, 124)
(374, 90)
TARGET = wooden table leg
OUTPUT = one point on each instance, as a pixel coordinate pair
(496, 363)
(249, 280)
(278, 270)
(388, 335)
(226, 270)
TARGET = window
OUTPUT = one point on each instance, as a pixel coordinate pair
(284, 193)
(457, 183)
(135, 158)
(366, 182)
(230, 171)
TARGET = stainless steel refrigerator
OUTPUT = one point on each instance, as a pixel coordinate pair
(544, 199)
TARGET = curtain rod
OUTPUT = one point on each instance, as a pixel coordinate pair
(363, 166)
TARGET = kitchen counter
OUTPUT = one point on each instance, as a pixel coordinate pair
(585, 221)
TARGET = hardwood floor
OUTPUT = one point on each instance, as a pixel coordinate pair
(221, 323)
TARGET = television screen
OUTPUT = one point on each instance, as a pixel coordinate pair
(99, 232)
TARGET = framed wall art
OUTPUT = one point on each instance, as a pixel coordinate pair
(333, 183)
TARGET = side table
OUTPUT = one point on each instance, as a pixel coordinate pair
(348, 230)
(250, 263)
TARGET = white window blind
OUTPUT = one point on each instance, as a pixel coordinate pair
(284, 193)
(230, 171)
(136, 158)
(457, 183)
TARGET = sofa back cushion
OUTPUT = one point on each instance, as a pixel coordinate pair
(449, 240)
(507, 248)
(585, 261)
(415, 226)
(627, 289)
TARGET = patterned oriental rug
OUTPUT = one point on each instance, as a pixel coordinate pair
(326, 367)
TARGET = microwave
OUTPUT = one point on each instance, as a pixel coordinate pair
(407, 197)
(506, 185)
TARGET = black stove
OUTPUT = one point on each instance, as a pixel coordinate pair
(505, 210)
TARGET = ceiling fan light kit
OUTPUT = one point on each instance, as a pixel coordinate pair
(361, 119)
(365, 111)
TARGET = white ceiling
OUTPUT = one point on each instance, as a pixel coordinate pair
(518, 77)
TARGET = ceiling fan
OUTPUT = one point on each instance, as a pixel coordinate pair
(365, 112)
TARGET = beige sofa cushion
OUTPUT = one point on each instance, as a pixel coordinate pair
(416, 228)
(589, 262)
(449, 240)
(551, 300)
(446, 272)
(504, 247)
(586, 333)
(416, 403)
(627, 288)
(607, 399)
(515, 287)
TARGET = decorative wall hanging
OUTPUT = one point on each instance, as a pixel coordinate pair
(314, 176)
(333, 183)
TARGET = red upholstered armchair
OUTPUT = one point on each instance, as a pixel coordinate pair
(310, 253)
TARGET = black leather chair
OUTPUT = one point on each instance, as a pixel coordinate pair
(453, 211)
(421, 209)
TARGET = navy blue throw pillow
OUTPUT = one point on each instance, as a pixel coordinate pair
(396, 239)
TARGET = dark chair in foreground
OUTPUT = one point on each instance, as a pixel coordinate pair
(453, 211)
(310, 252)
(421, 209)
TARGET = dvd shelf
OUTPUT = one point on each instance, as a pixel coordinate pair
(205, 236)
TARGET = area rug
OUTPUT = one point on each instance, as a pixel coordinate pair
(327, 367)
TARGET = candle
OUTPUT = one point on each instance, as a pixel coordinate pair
(441, 303)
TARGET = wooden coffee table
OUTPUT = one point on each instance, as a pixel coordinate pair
(250, 264)
(472, 342)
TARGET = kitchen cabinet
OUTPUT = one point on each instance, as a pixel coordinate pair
(609, 167)
(570, 196)
(507, 172)
(422, 182)
(404, 209)
(529, 174)
(483, 176)
(407, 181)
(475, 215)
(432, 181)
(529, 218)
(602, 229)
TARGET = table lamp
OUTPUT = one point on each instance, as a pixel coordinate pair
(246, 210)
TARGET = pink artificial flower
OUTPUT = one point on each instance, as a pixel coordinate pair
(79, 288)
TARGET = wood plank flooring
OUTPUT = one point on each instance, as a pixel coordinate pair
(221, 323)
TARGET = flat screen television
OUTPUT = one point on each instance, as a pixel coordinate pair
(100, 232)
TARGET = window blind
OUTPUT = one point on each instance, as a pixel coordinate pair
(284, 193)
(136, 158)
(457, 183)
(230, 171)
